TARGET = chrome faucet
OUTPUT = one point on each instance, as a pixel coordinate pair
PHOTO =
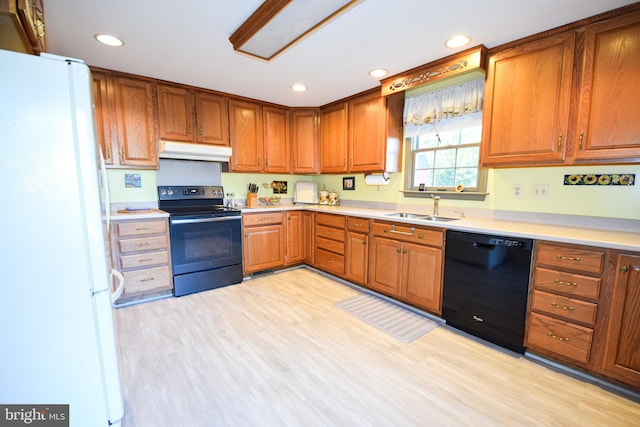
(436, 205)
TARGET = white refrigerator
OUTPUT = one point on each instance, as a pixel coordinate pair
(57, 331)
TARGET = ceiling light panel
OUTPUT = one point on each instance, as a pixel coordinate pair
(277, 24)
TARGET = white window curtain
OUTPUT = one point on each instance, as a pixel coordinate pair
(451, 107)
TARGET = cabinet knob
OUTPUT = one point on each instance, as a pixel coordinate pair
(624, 269)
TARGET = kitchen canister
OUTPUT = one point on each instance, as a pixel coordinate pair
(333, 198)
(324, 197)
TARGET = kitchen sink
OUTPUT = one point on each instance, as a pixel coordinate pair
(421, 217)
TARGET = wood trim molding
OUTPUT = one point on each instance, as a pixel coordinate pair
(462, 62)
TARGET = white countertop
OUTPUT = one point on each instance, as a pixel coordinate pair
(626, 240)
(137, 215)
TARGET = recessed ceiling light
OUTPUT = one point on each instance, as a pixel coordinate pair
(378, 72)
(457, 41)
(109, 40)
(298, 87)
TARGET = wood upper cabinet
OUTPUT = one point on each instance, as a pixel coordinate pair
(245, 135)
(333, 138)
(103, 115)
(276, 140)
(362, 134)
(526, 103)
(622, 355)
(192, 116)
(406, 262)
(304, 140)
(260, 137)
(134, 122)
(608, 125)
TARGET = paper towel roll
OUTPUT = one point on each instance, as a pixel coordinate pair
(376, 179)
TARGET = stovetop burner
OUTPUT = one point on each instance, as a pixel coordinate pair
(194, 200)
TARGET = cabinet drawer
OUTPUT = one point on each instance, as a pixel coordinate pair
(141, 228)
(147, 279)
(571, 258)
(409, 233)
(338, 221)
(567, 283)
(143, 244)
(330, 245)
(569, 308)
(330, 233)
(144, 260)
(262, 219)
(360, 225)
(560, 337)
(328, 261)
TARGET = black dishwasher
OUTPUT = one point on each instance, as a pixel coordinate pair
(486, 283)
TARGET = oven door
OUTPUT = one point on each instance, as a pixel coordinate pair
(205, 243)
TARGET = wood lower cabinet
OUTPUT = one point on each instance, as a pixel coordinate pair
(622, 355)
(406, 262)
(357, 250)
(309, 237)
(330, 243)
(564, 301)
(263, 241)
(140, 251)
(295, 238)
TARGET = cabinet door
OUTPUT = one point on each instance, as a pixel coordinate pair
(135, 122)
(622, 357)
(212, 119)
(385, 265)
(526, 103)
(608, 124)
(245, 135)
(366, 134)
(175, 113)
(277, 140)
(304, 141)
(357, 257)
(103, 115)
(422, 281)
(308, 237)
(295, 241)
(333, 139)
(263, 248)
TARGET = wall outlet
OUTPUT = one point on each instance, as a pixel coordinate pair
(540, 191)
(517, 191)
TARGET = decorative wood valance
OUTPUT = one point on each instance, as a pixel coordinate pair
(462, 62)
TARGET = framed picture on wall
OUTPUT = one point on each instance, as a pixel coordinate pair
(349, 183)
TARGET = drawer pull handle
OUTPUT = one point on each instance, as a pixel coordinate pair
(568, 258)
(143, 245)
(145, 260)
(393, 230)
(357, 224)
(148, 279)
(555, 337)
(561, 282)
(564, 307)
(143, 228)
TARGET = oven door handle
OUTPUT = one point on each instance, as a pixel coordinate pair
(198, 220)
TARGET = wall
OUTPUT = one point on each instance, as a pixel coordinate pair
(600, 201)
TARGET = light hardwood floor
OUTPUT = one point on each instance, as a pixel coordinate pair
(275, 351)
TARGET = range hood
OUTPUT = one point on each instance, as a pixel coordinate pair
(187, 151)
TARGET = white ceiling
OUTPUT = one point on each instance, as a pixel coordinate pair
(187, 41)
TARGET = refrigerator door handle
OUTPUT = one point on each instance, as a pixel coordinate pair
(120, 288)
(105, 189)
